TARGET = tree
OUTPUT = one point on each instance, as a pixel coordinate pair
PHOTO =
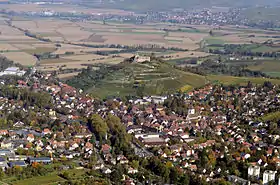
(2, 174)
(99, 126)
(222, 182)
(66, 175)
(92, 159)
(117, 174)
(203, 158)
(169, 164)
(119, 139)
(173, 175)
(135, 164)
(184, 180)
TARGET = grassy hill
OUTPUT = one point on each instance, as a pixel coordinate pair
(136, 79)
(149, 78)
(146, 78)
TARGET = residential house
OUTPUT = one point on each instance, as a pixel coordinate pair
(192, 167)
(268, 177)
(98, 166)
(18, 124)
(3, 163)
(106, 149)
(4, 132)
(175, 148)
(254, 171)
(129, 182)
(237, 180)
(45, 160)
(46, 131)
(132, 170)
(30, 137)
(52, 114)
(17, 163)
(122, 159)
(6, 144)
(6, 152)
(106, 171)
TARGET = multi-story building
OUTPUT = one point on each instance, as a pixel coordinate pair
(268, 176)
(254, 171)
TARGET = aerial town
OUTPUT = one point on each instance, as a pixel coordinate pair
(211, 133)
(113, 96)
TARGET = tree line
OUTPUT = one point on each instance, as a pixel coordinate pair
(241, 50)
(217, 68)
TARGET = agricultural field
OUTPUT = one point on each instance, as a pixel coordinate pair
(78, 44)
(67, 75)
(182, 55)
(21, 57)
(270, 67)
(170, 35)
(232, 80)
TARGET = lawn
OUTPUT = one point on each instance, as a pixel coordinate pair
(76, 173)
(42, 180)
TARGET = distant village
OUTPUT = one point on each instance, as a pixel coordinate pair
(206, 16)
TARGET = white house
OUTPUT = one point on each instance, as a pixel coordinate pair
(106, 171)
(132, 171)
(268, 176)
(191, 111)
(12, 71)
(254, 171)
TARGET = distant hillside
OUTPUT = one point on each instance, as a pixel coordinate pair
(145, 5)
(148, 78)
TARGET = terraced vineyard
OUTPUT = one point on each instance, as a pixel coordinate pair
(145, 78)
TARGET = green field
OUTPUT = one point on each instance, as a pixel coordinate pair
(214, 41)
(232, 80)
(261, 48)
(270, 67)
(273, 74)
(191, 30)
(39, 50)
(49, 179)
(42, 180)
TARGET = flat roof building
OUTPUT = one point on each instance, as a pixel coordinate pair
(12, 71)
